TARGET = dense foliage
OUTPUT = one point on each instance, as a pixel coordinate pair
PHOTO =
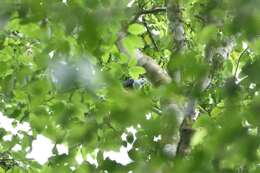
(184, 74)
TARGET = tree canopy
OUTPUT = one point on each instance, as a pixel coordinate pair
(183, 74)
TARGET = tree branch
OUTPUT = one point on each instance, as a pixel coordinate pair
(186, 130)
(177, 26)
(174, 13)
(179, 46)
(154, 10)
(155, 73)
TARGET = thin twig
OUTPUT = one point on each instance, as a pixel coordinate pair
(154, 10)
(239, 59)
(150, 34)
(156, 110)
(204, 110)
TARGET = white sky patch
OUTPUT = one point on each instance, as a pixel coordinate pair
(148, 116)
(130, 4)
(92, 158)
(42, 146)
(20, 135)
(79, 158)
(244, 45)
(73, 168)
(155, 32)
(7, 124)
(62, 149)
(8, 137)
(41, 149)
(123, 136)
(157, 138)
(131, 130)
(65, 1)
(211, 101)
(120, 157)
(51, 54)
(252, 86)
(17, 148)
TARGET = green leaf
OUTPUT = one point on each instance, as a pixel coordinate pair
(198, 136)
(136, 29)
(136, 71)
(228, 68)
(208, 33)
(133, 42)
